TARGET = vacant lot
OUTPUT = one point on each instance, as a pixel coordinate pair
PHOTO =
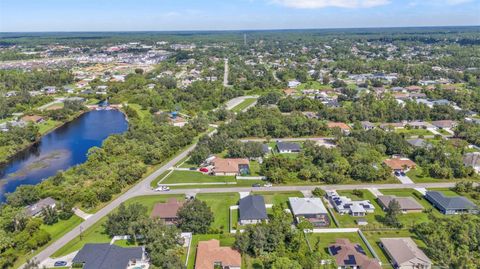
(220, 205)
(195, 177)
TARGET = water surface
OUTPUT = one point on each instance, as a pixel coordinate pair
(60, 149)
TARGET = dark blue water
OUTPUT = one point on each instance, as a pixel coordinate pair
(64, 147)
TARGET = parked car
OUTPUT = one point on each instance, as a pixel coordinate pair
(256, 185)
(402, 174)
(204, 170)
(397, 173)
(192, 168)
(162, 188)
(268, 185)
(60, 263)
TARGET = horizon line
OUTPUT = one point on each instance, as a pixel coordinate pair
(244, 30)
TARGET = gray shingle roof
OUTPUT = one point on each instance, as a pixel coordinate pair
(285, 146)
(36, 208)
(450, 203)
(252, 207)
(106, 256)
(304, 206)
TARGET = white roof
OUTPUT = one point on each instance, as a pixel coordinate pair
(303, 206)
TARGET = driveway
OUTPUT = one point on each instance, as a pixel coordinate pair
(405, 179)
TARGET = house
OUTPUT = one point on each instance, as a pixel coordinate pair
(286, 147)
(450, 205)
(33, 119)
(343, 127)
(49, 89)
(413, 88)
(366, 125)
(106, 256)
(345, 205)
(472, 159)
(419, 143)
(444, 124)
(407, 204)
(230, 167)
(400, 164)
(265, 149)
(211, 255)
(252, 210)
(289, 92)
(167, 211)
(392, 126)
(293, 83)
(419, 125)
(405, 254)
(310, 209)
(37, 208)
(177, 121)
(350, 255)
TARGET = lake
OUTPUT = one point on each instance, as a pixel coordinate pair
(60, 149)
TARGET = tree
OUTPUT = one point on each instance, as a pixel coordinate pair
(285, 263)
(50, 215)
(118, 223)
(195, 216)
(392, 213)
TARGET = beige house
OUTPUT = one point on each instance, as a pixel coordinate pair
(405, 254)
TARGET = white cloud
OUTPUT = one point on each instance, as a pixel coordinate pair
(440, 2)
(310, 4)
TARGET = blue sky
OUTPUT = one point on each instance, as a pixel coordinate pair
(163, 15)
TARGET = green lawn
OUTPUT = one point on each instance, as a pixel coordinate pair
(96, 233)
(413, 132)
(225, 241)
(279, 198)
(313, 85)
(254, 168)
(47, 126)
(220, 205)
(195, 177)
(239, 183)
(154, 183)
(143, 113)
(321, 241)
(60, 228)
(244, 104)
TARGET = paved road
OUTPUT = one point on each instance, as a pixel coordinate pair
(238, 100)
(304, 188)
(139, 189)
(57, 100)
(225, 74)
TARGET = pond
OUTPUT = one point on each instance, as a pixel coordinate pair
(60, 149)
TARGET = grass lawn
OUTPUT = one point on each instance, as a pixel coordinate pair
(195, 177)
(321, 241)
(220, 205)
(413, 132)
(244, 104)
(96, 233)
(154, 183)
(316, 85)
(254, 168)
(278, 198)
(47, 126)
(225, 241)
(239, 183)
(143, 113)
(442, 131)
(373, 238)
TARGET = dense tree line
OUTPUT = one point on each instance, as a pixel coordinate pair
(452, 242)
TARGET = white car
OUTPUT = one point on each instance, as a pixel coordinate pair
(162, 188)
(268, 185)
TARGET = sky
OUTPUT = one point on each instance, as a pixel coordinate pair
(173, 15)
